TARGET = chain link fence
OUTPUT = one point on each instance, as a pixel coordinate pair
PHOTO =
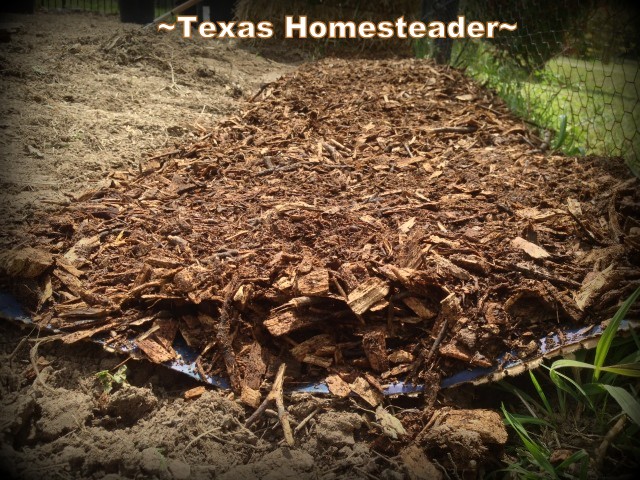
(571, 69)
(97, 6)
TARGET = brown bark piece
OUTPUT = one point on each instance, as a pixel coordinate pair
(313, 345)
(531, 249)
(76, 254)
(418, 282)
(364, 389)
(255, 367)
(283, 323)
(250, 397)
(191, 330)
(472, 263)
(375, 348)
(454, 351)
(367, 294)
(68, 267)
(400, 356)
(337, 386)
(25, 262)
(194, 392)
(166, 333)
(593, 286)
(420, 308)
(314, 283)
(324, 362)
(445, 268)
(155, 351)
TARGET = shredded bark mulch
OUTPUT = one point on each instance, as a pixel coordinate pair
(361, 220)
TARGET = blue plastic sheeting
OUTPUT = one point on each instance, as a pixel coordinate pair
(10, 309)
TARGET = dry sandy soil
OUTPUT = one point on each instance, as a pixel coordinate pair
(84, 96)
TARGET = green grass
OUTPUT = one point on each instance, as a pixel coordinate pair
(600, 101)
(594, 104)
(575, 405)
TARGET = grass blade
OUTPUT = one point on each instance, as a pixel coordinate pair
(541, 393)
(528, 420)
(624, 369)
(563, 382)
(609, 333)
(537, 451)
(627, 402)
(562, 133)
(526, 399)
(579, 456)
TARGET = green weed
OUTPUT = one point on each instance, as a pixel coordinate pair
(570, 400)
(109, 380)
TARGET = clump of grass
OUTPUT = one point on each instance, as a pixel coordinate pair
(591, 107)
(581, 407)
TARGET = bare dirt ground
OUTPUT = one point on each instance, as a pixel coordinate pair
(84, 96)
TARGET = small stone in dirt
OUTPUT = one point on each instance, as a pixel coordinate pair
(74, 456)
(389, 474)
(281, 464)
(417, 465)
(336, 428)
(467, 434)
(153, 462)
(302, 404)
(75, 48)
(61, 412)
(194, 393)
(179, 470)
(131, 403)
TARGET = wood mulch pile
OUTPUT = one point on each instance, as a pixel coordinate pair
(362, 220)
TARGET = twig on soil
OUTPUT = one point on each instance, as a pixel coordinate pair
(438, 340)
(277, 395)
(601, 451)
(306, 420)
(365, 473)
(19, 347)
(33, 356)
(211, 433)
(166, 154)
(467, 129)
(259, 92)
(224, 336)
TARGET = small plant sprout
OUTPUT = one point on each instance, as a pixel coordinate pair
(109, 380)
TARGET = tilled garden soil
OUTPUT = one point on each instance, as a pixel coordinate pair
(362, 221)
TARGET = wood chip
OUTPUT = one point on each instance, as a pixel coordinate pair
(250, 397)
(337, 386)
(367, 294)
(531, 249)
(25, 262)
(194, 392)
(369, 394)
